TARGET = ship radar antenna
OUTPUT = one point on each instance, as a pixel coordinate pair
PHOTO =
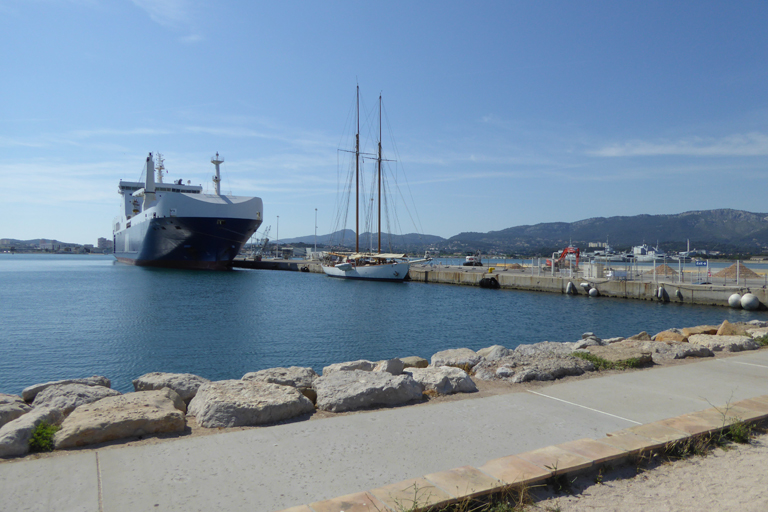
(217, 160)
(160, 167)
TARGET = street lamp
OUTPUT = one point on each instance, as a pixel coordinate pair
(277, 241)
(315, 229)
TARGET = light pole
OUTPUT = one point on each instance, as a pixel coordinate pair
(315, 229)
(277, 241)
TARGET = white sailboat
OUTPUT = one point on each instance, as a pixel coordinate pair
(370, 265)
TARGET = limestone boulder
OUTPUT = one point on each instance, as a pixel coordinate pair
(358, 389)
(592, 341)
(729, 329)
(758, 323)
(540, 366)
(617, 339)
(235, 403)
(184, 384)
(623, 352)
(700, 329)
(15, 435)
(393, 366)
(458, 357)
(675, 335)
(122, 417)
(724, 343)
(494, 352)
(414, 362)
(349, 366)
(31, 392)
(544, 348)
(642, 336)
(759, 332)
(662, 351)
(445, 380)
(11, 407)
(66, 397)
(299, 377)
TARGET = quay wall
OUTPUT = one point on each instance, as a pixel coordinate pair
(706, 294)
(714, 295)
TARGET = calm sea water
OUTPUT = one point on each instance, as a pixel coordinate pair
(77, 316)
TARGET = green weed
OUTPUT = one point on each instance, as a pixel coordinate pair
(604, 364)
(42, 437)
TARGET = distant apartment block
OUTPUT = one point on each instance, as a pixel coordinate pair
(104, 244)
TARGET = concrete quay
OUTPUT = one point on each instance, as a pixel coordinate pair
(643, 289)
(444, 451)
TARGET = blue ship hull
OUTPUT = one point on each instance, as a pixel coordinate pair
(186, 242)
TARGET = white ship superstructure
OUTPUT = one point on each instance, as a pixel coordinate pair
(177, 225)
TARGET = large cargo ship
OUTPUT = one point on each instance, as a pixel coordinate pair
(177, 226)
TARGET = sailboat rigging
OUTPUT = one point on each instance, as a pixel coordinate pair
(367, 265)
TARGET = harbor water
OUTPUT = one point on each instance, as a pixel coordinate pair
(69, 316)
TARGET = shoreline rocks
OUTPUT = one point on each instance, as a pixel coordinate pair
(235, 403)
(89, 411)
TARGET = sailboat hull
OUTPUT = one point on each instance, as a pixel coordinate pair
(385, 272)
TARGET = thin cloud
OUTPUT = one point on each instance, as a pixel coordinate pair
(173, 14)
(749, 144)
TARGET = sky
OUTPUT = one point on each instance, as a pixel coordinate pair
(503, 113)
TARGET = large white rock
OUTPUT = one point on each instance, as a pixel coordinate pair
(294, 376)
(349, 366)
(66, 397)
(459, 357)
(234, 403)
(121, 417)
(31, 392)
(414, 362)
(358, 389)
(185, 384)
(298, 377)
(393, 366)
(445, 380)
(11, 407)
(494, 352)
(724, 343)
(15, 435)
(545, 348)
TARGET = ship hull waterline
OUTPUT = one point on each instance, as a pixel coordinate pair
(185, 243)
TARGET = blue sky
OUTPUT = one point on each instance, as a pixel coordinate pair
(504, 113)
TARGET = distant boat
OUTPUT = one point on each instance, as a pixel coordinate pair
(375, 266)
(473, 260)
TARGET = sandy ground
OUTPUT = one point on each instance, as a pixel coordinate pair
(733, 478)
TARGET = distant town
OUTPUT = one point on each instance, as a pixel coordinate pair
(42, 245)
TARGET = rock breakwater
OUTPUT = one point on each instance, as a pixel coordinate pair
(88, 411)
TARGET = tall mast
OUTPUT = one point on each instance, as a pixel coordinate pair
(379, 161)
(357, 176)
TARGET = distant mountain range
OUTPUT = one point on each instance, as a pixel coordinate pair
(721, 230)
(724, 230)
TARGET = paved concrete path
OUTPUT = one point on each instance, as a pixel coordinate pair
(273, 468)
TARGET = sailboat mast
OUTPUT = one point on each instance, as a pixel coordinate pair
(357, 176)
(379, 173)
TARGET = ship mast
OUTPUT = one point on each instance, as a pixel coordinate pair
(357, 176)
(379, 162)
(216, 160)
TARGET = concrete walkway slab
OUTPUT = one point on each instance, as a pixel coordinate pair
(69, 483)
(658, 393)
